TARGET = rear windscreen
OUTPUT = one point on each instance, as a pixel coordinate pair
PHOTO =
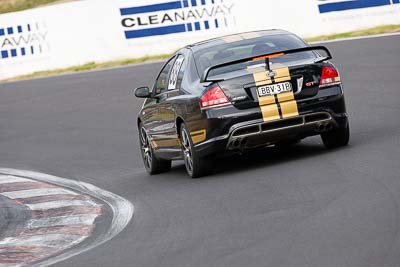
(227, 52)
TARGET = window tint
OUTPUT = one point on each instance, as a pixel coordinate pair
(250, 48)
(162, 80)
(176, 76)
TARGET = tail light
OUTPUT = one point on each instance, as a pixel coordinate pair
(330, 76)
(213, 98)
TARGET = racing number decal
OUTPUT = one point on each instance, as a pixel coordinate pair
(173, 77)
(280, 106)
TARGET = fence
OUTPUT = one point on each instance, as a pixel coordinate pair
(78, 32)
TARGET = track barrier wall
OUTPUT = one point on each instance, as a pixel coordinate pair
(79, 32)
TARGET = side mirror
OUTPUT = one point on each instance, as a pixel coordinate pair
(142, 92)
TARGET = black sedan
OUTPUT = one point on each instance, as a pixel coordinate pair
(238, 93)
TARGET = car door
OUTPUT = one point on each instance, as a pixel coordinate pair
(165, 135)
(150, 115)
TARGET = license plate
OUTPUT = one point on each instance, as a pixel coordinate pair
(274, 89)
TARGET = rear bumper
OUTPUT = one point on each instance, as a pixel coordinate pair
(259, 134)
(264, 133)
(238, 133)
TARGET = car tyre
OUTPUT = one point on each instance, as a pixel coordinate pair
(152, 164)
(338, 137)
(196, 166)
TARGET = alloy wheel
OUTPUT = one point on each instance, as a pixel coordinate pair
(146, 149)
(187, 151)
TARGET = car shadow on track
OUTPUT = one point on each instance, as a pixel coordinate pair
(268, 157)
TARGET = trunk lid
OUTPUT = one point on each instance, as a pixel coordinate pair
(241, 87)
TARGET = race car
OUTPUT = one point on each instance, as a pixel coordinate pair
(238, 93)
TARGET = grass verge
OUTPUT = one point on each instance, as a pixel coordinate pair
(7, 6)
(117, 63)
(90, 66)
(359, 33)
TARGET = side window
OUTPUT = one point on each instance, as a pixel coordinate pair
(175, 79)
(149, 101)
(162, 80)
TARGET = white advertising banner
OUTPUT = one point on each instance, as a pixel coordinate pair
(79, 32)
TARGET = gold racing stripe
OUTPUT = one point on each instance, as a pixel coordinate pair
(232, 38)
(198, 136)
(288, 105)
(282, 74)
(286, 100)
(261, 78)
(289, 109)
(268, 106)
(240, 37)
(250, 35)
(270, 112)
(266, 100)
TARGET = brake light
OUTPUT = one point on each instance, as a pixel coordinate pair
(330, 76)
(213, 97)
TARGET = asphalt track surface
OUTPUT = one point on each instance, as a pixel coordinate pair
(303, 206)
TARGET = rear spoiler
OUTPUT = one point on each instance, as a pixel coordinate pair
(204, 77)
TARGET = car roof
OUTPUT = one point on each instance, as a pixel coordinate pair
(235, 37)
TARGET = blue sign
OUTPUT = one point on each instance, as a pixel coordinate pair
(333, 6)
(22, 40)
(175, 17)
